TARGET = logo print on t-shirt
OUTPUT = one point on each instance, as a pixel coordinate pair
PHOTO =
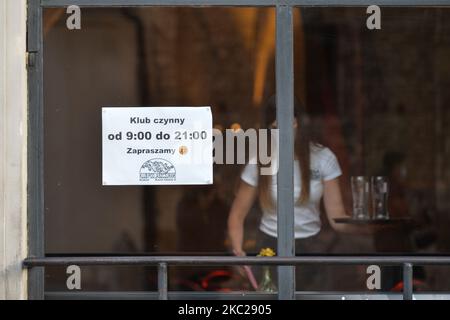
(315, 174)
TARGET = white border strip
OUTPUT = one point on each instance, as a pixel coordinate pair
(13, 144)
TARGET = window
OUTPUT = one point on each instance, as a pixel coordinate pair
(375, 97)
(221, 57)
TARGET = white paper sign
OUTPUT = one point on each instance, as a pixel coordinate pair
(157, 145)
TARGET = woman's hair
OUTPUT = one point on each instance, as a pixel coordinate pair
(301, 148)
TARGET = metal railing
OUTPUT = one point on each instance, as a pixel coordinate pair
(163, 262)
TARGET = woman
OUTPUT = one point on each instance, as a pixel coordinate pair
(316, 176)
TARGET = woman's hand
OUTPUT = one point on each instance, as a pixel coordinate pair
(239, 253)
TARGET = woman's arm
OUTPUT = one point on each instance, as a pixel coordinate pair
(334, 207)
(241, 206)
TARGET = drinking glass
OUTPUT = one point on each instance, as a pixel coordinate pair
(360, 190)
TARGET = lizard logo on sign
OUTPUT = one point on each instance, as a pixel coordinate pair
(157, 170)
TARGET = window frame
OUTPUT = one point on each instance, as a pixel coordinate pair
(285, 116)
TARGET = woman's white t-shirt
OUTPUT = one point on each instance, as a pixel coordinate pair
(324, 167)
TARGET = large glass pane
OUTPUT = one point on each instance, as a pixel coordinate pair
(218, 57)
(376, 98)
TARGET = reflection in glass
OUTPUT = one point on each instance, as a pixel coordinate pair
(379, 195)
